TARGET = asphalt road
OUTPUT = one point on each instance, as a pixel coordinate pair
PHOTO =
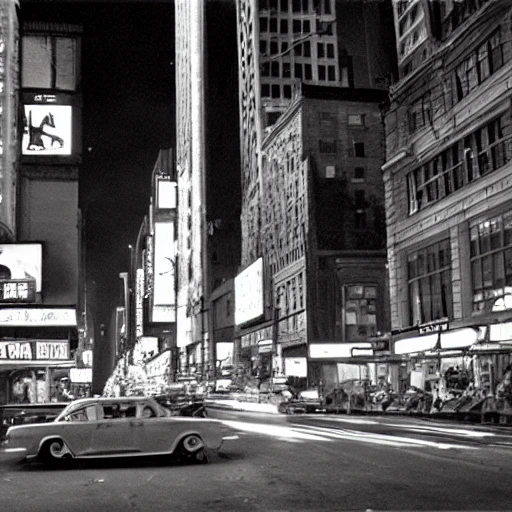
(291, 463)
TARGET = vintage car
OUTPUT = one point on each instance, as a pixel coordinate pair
(115, 427)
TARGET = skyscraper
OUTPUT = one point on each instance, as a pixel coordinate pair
(207, 162)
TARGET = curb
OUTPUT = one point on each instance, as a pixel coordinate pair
(235, 405)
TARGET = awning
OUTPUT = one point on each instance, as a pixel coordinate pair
(264, 346)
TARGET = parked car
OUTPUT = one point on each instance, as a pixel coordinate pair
(115, 427)
(23, 414)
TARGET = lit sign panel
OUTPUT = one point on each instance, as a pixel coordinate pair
(164, 292)
(38, 317)
(139, 294)
(249, 293)
(17, 291)
(47, 129)
(166, 194)
(20, 262)
(34, 350)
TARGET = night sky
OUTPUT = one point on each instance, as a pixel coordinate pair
(128, 115)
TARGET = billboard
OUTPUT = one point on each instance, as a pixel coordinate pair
(164, 293)
(20, 271)
(47, 129)
(249, 303)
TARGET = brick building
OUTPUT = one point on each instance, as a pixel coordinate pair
(312, 198)
(448, 192)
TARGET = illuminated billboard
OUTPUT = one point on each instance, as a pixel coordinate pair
(164, 293)
(249, 293)
(20, 272)
(47, 129)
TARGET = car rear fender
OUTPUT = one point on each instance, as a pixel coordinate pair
(53, 437)
(183, 435)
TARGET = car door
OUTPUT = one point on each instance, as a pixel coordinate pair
(115, 433)
(77, 429)
(155, 433)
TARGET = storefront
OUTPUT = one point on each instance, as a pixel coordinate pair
(36, 354)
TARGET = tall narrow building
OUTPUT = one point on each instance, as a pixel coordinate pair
(207, 166)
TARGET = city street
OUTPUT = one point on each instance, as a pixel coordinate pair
(285, 463)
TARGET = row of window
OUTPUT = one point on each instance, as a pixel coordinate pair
(482, 63)
(323, 50)
(479, 153)
(360, 312)
(430, 268)
(299, 6)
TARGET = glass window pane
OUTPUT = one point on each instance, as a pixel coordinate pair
(437, 309)
(446, 294)
(473, 241)
(65, 49)
(507, 229)
(508, 267)
(495, 233)
(414, 303)
(498, 271)
(426, 299)
(487, 271)
(477, 275)
(37, 61)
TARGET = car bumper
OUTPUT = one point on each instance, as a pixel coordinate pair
(8, 454)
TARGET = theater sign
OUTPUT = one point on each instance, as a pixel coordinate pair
(41, 350)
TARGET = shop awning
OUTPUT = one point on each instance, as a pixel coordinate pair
(416, 344)
(264, 346)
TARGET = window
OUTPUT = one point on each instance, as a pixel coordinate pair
(284, 5)
(327, 146)
(276, 91)
(273, 24)
(330, 51)
(320, 50)
(49, 62)
(284, 47)
(273, 48)
(306, 26)
(84, 414)
(307, 49)
(308, 75)
(298, 71)
(274, 68)
(287, 91)
(284, 26)
(327, 119)
(359, 149)
(263, 24)
(355, 120)
(286, 70)
(265, 69)
(360, 312)
(359, 173)
(321, 72)
(429, 283)
(265, 90)
(481, 152)
(297, 26)
(331, 73)
(263, 47)
(491, 260)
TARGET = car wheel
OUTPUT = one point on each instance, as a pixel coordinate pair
(55, 452)
(192, 450)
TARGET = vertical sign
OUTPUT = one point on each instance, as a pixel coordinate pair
(139, 295)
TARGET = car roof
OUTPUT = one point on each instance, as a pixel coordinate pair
(112, 399)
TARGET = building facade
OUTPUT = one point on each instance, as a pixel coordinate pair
(312, 196)
(207, 163)
(448, 201)
(44, 353)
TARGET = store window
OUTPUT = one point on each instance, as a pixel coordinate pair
(360, 312)
(491, 260)
(429, 283)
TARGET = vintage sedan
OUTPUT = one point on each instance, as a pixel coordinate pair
(115, 427)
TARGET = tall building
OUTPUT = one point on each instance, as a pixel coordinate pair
(39, 261)
(207, 163)
(312, 194)
(448, 200)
